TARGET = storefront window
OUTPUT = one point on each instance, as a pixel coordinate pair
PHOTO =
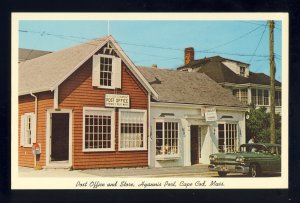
(227, 141)
(133, 129)
(98, 129)
(167, 138)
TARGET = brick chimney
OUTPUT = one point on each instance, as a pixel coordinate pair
(154, 66)
(188, 55)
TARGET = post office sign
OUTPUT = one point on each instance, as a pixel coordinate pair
(117, 100)
(211, 114)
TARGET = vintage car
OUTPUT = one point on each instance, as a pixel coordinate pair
(252, 159)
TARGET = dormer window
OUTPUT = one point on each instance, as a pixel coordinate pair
(243, 71)
(106, 71)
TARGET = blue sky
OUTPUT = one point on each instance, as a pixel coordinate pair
(163, 42)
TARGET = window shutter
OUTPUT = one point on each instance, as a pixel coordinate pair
(33, 128)
(117, 71)
(96, 71)
(22, 130)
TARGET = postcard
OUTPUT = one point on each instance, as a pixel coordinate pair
(149, 100)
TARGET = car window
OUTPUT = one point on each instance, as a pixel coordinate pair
(274, 150)
(253, 148)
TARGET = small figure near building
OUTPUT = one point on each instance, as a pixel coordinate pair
(252, 140)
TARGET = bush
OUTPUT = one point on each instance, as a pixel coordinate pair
(258, 124)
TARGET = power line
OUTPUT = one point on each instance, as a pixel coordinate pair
(141, 53)
(66, 37)
(253, 23)
(241, 36)
(30, 52)
(176, 58)
(250, 22)
(258, 42)
(51, 34)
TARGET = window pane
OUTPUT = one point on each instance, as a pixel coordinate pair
(253, 96)
(278, 98)
(227, 137)
(244, 96)
(96, 132)
(259, 97)
(167, 138)
(266, 97)
(221, 144)
(132, 130)
(106, 71)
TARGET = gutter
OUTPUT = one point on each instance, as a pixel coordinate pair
(35, 112)
(149, 140)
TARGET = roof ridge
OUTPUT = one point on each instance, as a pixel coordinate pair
(169, 69)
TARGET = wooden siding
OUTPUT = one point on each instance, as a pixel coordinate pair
(77, 92)
(26, 105)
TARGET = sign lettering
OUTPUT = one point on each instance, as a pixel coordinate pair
(117, 100)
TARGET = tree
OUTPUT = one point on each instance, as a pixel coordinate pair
(258, 124)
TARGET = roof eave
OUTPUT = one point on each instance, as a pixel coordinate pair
(131, 65)
(79, 64)
(22, 93)
(191, 105)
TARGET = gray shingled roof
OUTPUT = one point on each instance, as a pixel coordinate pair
(43, 73)
(27, 54)
(216, 70)
(188, 88)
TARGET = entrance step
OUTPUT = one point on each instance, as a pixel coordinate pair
(58, 165)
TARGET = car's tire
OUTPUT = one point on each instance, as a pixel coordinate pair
(222, 173)
(254, 170)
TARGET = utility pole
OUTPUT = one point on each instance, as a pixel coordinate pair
(272, 76)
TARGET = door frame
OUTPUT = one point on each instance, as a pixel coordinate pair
(49, 132)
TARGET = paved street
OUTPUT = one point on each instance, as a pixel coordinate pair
(199, 170)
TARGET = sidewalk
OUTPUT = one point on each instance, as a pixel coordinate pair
(150, 172)
(31, 172)
(195, 170)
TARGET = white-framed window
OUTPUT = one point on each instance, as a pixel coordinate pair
(242, 71)
(106, 71)
(167, 138)
(260, 97)
(132, 129)
(227, 137)
(277, 98)
(28, 129)
(241, 94)
(98, 129)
